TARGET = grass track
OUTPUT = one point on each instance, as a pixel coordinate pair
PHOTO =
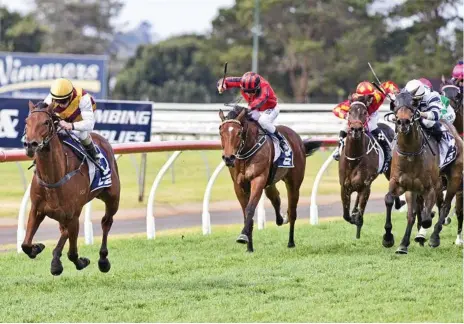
(189, 186)
(328, 277)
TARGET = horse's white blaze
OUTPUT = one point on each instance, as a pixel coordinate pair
(231, 129)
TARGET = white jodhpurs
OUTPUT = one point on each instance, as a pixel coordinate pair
(428, 123)
(266, 118)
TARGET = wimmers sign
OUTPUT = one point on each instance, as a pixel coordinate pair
(117, 121)
(29, 75)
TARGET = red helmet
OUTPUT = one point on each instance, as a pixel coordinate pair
(426, 82)
(365, 88)
(458, 71)
(250, 82)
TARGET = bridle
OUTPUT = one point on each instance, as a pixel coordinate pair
(243, 140)
(371, 145)
(52, 131)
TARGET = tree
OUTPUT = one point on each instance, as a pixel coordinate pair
(19, 33)
(168, 72)
(79, 27)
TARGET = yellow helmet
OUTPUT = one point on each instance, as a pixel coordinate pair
(61, 89)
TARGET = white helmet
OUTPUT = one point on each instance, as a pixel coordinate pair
(416, 88)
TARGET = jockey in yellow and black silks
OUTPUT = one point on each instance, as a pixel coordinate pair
(75, 106)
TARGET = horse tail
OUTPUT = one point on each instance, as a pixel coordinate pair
(311, 146)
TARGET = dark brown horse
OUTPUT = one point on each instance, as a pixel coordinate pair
(415, 171)
(60, 188)
(248, 153)
(359, 162)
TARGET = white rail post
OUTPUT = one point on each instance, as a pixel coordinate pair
(205, 215)
(21, 232)
(261, 213)
(151, 197)
(88, 228)
(313, 210)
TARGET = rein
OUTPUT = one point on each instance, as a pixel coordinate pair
(371, 145)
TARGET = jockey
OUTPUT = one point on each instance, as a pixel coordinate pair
(447, 113)
(75, 107)
(429, 104)
(341, 110)
(261, 100)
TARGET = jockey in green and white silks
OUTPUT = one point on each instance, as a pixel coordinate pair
(446, 112)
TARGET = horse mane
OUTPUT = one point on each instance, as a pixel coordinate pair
(404, 99)
(234, 113)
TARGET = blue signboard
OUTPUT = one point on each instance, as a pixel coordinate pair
(27, 75)
(117, 121)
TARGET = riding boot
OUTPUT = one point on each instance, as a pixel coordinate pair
(92, 151)
(383, 142)
(282, 142)
(341, 137)
(436, 131)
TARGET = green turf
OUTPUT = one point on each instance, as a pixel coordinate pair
(187, 277)
(190, 179)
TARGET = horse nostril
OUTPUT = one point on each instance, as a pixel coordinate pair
(407, 122)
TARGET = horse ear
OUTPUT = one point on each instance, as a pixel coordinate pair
(221, 115)
(241, 115)
(370, 99)
(31, 106)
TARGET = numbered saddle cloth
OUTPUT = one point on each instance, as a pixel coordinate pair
(283, 159)
(98, 178)
(447, 148)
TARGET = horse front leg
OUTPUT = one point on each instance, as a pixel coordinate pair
(393, 192)
(363, 198)
(35, 219)
(422, 232)
(411, 199)
(346, 201)
(56, 267)
(256, 190)
(453, 187)
(459, 214)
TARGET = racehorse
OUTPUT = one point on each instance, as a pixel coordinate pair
(248, 152)
(415, 170)
(455, 96)
(359, 162)
(61, 187)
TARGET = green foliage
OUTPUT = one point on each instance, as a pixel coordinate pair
(308, 49)
(19, 33)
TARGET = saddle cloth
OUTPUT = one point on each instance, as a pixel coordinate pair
(283, 159)
(447, 148)
(98, 179)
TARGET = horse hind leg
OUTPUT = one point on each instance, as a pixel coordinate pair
(459, 214)
(73, 232)
(274, 196)
(293, 192)
(421, 236)
(56, 267)
(111, 207)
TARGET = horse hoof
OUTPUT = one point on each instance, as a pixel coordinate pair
(388, 242)
(104, 265)
(447, 221)
(401, 204)
(56, 268)
(426, 223)
(291, 244)
(279, 221)
(242, 239)
(420, 239)
(402, 250)
(434, 242)
(459, 241)
(82, 263)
